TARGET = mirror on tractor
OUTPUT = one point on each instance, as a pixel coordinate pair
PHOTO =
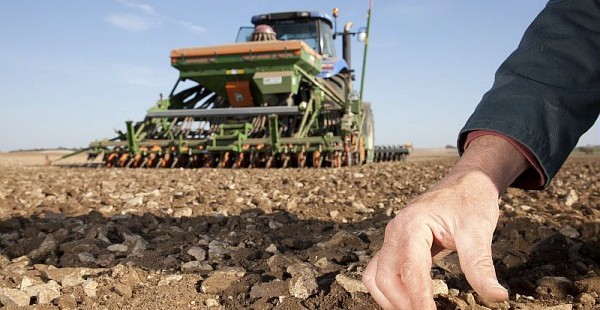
(361, 35)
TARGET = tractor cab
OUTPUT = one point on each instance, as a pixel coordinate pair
(315, 29)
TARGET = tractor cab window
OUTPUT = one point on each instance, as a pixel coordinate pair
(244, 34)
(305, 30)
(316, 33)
(327, 40)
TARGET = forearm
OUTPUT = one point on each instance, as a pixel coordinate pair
(496, 158)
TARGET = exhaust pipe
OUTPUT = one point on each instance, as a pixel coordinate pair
(346, 47)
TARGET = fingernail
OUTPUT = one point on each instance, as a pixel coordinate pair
(495, 284)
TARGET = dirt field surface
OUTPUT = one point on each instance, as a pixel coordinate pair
(73, 237)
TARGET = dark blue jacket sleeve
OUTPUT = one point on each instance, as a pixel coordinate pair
(546, 94)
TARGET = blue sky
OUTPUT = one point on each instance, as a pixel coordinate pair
(73, 71)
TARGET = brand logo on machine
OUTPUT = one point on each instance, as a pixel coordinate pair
(239, 97)
(272, 80)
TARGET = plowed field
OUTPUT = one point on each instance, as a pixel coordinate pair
(75, 237)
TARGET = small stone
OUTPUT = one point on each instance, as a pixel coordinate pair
(70, 276)
(265, 204)
(206, 267)
(72, 279)
(168, 280)
(183, 212)
(589, 285)
(103, 238)
(351, 285)
(44, 293)
(271, 289)
(198, 253)
(508, 208)
(106, 209)
(586, 300)
(128, 277)
(304, 280)
(108, 186)
(358, 175)
(389, 212)
(453, 292)
(274, 225)
(343, 239)
(272, 249)
(86, 258)
(360, 207)
(440, 287)
(191, 267)
(123, 290)
(557, 287)
(470, 299)
(292, 204)
(278, 264)
(89, 288)
(211, 302)
(134, 202)
(117, 248)
(450, 264)
(155, 193)
(221, 280)
(570, 232)
(322, 263)
(216, 249)
(47, 248)
(14, 298)
(27, 282)
(571, 198)
(267, 303)
(511, 261)
(65, 302)
(334, 214)
(525, 208)
(136, 243)
(18, 265)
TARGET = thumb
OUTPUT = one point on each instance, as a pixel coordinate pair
(474, 250)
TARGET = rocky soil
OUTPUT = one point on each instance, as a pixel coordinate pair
(88, 238)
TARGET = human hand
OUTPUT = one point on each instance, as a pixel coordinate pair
(460, 214)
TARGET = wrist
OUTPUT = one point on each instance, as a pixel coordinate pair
(496, 158)
(470, 181)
